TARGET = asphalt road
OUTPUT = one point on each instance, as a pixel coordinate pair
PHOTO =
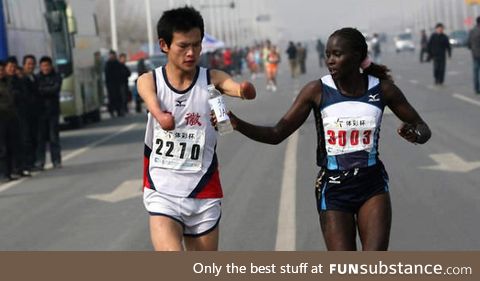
(94, 201)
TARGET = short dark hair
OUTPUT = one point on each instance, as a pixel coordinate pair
(29, 56)
(2, 63)
(439, 25)
(45, 59)
(179, 20)
(12, 59)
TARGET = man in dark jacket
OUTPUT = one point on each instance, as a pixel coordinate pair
(423, 45)
(8, 127)
(125, 94)
(292, 58)
(114, 73)
(30, 118)
(17, 88)
(49, 86)
(438, 47)
(474, 46)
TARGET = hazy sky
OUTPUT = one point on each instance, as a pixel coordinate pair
(295, 19)
(311, 18)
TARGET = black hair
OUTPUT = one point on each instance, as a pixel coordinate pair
(29, 56)
(45, 59)
(439, 25)
(2, 63)
(12, 59)
(478, 20)
(179, 20)
(357, 43)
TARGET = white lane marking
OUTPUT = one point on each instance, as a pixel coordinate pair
(431, 87)
(451, 162)
(126, 190)
(71, 155)
(413, 81)
(467, 99)
(453, 73)
(286, 226)
(387, 111)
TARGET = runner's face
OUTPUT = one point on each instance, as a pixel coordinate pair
(340, 61)
(185, 49)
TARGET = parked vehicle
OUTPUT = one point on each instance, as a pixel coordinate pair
(132, 65)
(404, 42)
(459, 38)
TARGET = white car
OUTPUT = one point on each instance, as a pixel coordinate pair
(404, 42)
(132, 65)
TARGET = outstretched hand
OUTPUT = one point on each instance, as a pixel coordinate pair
(247, 90)
(407, 131)
(233, 119)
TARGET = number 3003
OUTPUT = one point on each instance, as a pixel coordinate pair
(342, 137)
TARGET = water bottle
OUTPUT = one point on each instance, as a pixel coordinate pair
(218, 106)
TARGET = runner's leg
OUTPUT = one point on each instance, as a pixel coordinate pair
(207, 242)
(166, 234)
(374, 223)
(339, 230)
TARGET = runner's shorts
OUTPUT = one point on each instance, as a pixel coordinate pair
(197, 216)
(347, 190)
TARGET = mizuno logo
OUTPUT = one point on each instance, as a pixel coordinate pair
(334, 179)
(373, 97)
(180, 103)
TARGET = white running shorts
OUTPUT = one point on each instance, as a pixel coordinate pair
(197, 216)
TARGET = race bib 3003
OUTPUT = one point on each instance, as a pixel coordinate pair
(349, 134)
(181, 149)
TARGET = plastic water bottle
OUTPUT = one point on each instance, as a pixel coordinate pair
(218, 106)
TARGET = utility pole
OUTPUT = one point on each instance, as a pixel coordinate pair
(149, 27)
(113, 26)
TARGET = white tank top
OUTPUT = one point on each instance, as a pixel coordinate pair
(182, 162)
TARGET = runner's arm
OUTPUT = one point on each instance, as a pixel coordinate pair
(230, 87)
(289, 123)
(414, 129)
(146, 90)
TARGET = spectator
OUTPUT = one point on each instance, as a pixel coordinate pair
(321, 52)
(302, 58)
(292, 58)
(474, 46)
(125, 94)
(376, 50)
(8, 128)
(49, 86)
(423, 45)
(29, 119)
(438, 47)
(18, 91)
(113, 77)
